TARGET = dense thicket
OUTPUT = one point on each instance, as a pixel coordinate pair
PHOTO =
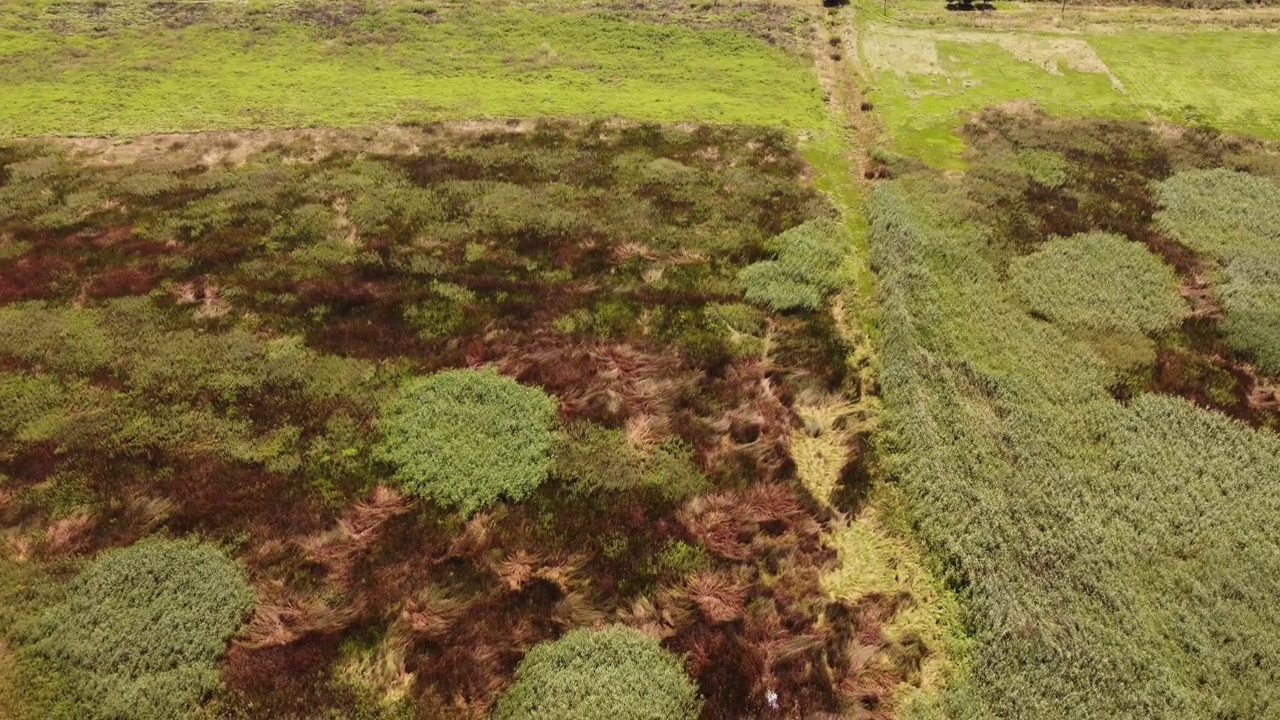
(808, 268)
(1099, 281)
(611, 674)
(466, 438)
(1116, 559)
(141, 631)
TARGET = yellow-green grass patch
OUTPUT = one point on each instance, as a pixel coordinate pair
(268, 70)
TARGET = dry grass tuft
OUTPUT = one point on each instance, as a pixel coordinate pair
(622, 252)
(719, 596)
(281, 617)
(69, 535)
(430, 614)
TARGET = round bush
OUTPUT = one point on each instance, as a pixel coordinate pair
(1100, 282)
(611, 674)
(142, 629)
(809, 267)
(464, 438)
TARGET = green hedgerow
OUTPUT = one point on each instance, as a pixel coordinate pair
(142, 629)
(809, 267)
(611, 674)
(1099, 281)
(464, 438)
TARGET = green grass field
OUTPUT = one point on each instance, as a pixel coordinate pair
(926, 84)
(1228, 80)
(241, 69)
(930, 71)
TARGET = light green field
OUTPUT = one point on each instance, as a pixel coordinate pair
(927, 84)
(396, 65)
(1229, 80)
(928, 80)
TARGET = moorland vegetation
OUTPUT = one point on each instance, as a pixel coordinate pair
(1109, 536)
(888, 362)
(445, 404)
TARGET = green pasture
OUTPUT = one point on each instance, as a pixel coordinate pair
(403, 63)
(926, 82)
(924, 104)
(1227, 80)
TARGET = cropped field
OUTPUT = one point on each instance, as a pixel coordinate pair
(129, 68)
(930, 69)
(926, 82)
(1111, 540)
(1227, 80)
(237, 350)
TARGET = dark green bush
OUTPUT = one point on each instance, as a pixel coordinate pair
(611, 674)
(142, 629)
(464, 438)
(808, 268)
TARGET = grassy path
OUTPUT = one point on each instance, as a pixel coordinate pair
(876, 552)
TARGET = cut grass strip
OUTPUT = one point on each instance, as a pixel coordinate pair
(472, 64)
(1229, 80)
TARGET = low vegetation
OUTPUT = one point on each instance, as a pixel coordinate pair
(450, 393)
(140, 68)
(1192, 78)
(600, 675)
(930, 68)
(141, 631)
(1099, 282)
(1089, 537)
(465, 438)
(334, 407)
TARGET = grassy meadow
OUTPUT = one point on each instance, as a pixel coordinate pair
(929, 70)
(122, 69)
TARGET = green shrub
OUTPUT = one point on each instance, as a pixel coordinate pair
(742, 325)
(142, 629)
(1234, 218)
(1044, 166)
(808, 268)
(67, 339)
(1099, 281)
(464, 438)
(592, 459)
(1251, 298)
(611, 674)
(1219, 212)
